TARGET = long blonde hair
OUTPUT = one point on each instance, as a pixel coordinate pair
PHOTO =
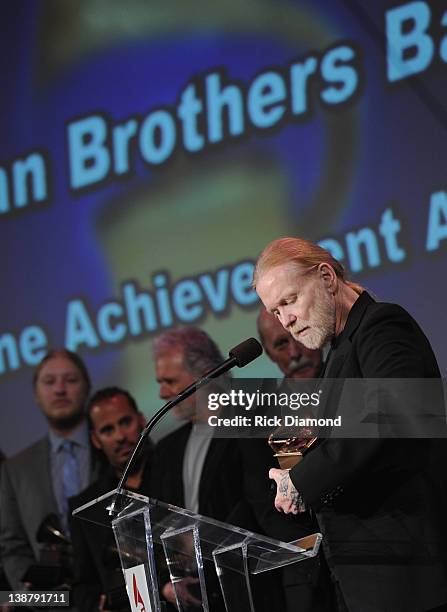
(301, 252)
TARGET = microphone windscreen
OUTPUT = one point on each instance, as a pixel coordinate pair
(246, 351)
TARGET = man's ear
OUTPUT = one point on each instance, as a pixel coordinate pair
(328, 277)
(95, 441)
(142, 419)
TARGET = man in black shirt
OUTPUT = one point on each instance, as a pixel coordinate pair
(116, 425)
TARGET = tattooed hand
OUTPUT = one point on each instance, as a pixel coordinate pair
(287, 497)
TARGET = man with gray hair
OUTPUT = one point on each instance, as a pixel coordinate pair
(181, 356)
(191, 468)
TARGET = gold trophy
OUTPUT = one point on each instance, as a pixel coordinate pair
(289, 448)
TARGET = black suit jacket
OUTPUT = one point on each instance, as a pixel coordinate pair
(377, 500)
(221, 488)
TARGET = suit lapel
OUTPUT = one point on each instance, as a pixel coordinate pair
(177, 457)
(341, 345)
(341, 349)
(215, 456)
(98, 466)
(337, 359)
(47, 497)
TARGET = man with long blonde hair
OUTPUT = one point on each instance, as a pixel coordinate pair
(378, 501)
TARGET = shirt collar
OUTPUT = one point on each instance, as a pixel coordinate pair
(80, 436)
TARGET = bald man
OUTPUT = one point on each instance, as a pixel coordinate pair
(292, 358)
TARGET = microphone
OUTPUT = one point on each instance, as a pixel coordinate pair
(246, 352)
(241, 355)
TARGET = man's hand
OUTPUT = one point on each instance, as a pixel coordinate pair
(103, 603)
(183, 592)
(287, 497)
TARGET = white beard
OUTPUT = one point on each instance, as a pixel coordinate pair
(321, 326)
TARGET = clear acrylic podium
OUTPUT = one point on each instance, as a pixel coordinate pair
(153, 537)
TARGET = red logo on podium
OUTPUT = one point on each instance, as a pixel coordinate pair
(137, 596)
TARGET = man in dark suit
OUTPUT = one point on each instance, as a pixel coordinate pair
(378, 501)
(115, 427)
(38, 481)
(191, 468)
